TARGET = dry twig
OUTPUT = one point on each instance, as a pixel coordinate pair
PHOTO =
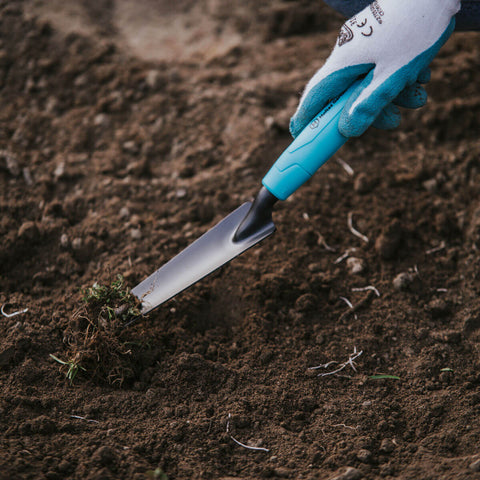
(353, 230)
(364, 289)
(349, 303)
(351, 361)
(436, 249)
(10, 315)
(344, 426)
(84, 418)
(346, 166)
(321, 241)
(249, 447)
(341, 258)
(355, 308)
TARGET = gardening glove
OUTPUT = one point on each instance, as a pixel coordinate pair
(389, 45)
(468, 18)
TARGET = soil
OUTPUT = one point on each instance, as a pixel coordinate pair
(127, 129)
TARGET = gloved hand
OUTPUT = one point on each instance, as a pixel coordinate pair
(390, 43)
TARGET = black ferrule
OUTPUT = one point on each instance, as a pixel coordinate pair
(260, 213)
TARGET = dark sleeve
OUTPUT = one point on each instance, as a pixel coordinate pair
(468, 18)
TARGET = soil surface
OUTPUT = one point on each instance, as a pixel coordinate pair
(127, 129)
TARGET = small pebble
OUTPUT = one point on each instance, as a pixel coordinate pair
(430, 185)
(28, 231)
(59, 171)
(269, 122)
(135, 220)
(181, 193)
(130, 146)
(437, 308)
(402, 281)
(315, 267)
(51, 104)
(387, 445)
(282, 472)
(153, 79)
(124, 212)
(364, 455)
(11, 163)
(349, 474)
(355, 265)
(101, 120)
(27, 176)
(81, 80)
(121, 310)
(77, 243)
(136, 233)
(64, 242)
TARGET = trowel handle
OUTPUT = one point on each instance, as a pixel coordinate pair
(317, 142)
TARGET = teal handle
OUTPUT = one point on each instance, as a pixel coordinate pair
(317, 142)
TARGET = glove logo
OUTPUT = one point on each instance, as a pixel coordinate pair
(345, 35)
(377, 11)
(367, 31)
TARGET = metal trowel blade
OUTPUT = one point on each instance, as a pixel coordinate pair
(212, 250)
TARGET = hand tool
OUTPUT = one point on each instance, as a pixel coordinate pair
(252, 222)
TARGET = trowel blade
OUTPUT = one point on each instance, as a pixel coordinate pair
(212, 250)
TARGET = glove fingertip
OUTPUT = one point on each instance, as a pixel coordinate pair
(389, 118)
(303, 116)
(294, 127)
(308, 108)
(414, 96)
(424, 75)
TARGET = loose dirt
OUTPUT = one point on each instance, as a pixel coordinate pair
(127, 129)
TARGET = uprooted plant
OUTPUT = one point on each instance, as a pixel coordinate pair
(72, 367)
(112, 303)
(96, 337)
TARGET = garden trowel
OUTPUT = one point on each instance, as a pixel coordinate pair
(252, 222)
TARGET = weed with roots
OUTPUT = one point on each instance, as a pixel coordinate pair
(73, 367)
(157, 474)
(115, 301)
(96, 337)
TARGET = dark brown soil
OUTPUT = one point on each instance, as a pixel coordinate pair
(127, 129)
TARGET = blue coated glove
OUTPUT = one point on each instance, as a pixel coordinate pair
(467, 19)
(389, 45)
